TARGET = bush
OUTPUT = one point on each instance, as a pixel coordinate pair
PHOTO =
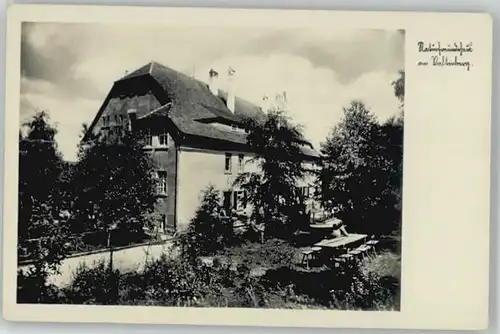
(34, 289)
(207, 233)
(373, 285)
(98, 285)
(174, 282)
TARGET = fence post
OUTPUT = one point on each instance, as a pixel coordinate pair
(110, 251)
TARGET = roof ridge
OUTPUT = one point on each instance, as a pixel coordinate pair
(204, 83)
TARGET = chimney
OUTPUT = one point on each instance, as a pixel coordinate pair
(132, 117)
(213, 82)
(230, 92)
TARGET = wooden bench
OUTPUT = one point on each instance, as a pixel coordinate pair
(372, 244)
(346, 257)
(309, 254)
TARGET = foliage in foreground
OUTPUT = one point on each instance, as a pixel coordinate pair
(177, 282)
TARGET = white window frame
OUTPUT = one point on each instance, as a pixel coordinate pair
(161, 182)
(228, 167)
(165, 136)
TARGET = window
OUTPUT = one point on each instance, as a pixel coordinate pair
(161, 183)
(241, 164)
(105, 120)
(162, 139)
(227, 165)
(240, 200)
(154, 141)
(149, 138)
(236, 200)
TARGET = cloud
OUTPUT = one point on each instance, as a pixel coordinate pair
(67, 115)
(68, 69)
(50, 54)
(316, 95)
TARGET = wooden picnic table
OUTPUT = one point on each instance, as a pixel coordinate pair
(340, 241)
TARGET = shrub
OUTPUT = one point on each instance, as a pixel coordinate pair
(207, 233)
(34, 289)
(97, 285)
(176, 282)
(372, 285)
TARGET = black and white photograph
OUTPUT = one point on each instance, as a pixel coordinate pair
(210, 167)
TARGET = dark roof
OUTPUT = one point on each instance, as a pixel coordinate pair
(192, 104)
(193, 98)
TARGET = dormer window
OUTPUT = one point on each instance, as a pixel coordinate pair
(156, 140)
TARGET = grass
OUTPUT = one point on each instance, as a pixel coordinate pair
(272, 254)
(385, 264)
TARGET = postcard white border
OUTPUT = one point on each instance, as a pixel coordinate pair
(446, 172)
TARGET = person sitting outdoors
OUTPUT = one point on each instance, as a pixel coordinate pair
(343, 230)
(336, 233)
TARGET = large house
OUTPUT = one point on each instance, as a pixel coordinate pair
(194, 135)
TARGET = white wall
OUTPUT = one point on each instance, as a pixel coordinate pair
(125, 260)
(197, 169)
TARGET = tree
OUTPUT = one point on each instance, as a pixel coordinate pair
(399, 87)
(278, 145)
(361, 173)
(42, 218)
(113, 185)
(40, 166)
(394, 130)
(46, 252)
(356, 173)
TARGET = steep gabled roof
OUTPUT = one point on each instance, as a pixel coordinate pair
(193, 98)
(192, 105)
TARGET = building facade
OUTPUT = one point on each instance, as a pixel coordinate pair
(194, 135)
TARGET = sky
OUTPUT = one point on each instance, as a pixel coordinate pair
(67, 69)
